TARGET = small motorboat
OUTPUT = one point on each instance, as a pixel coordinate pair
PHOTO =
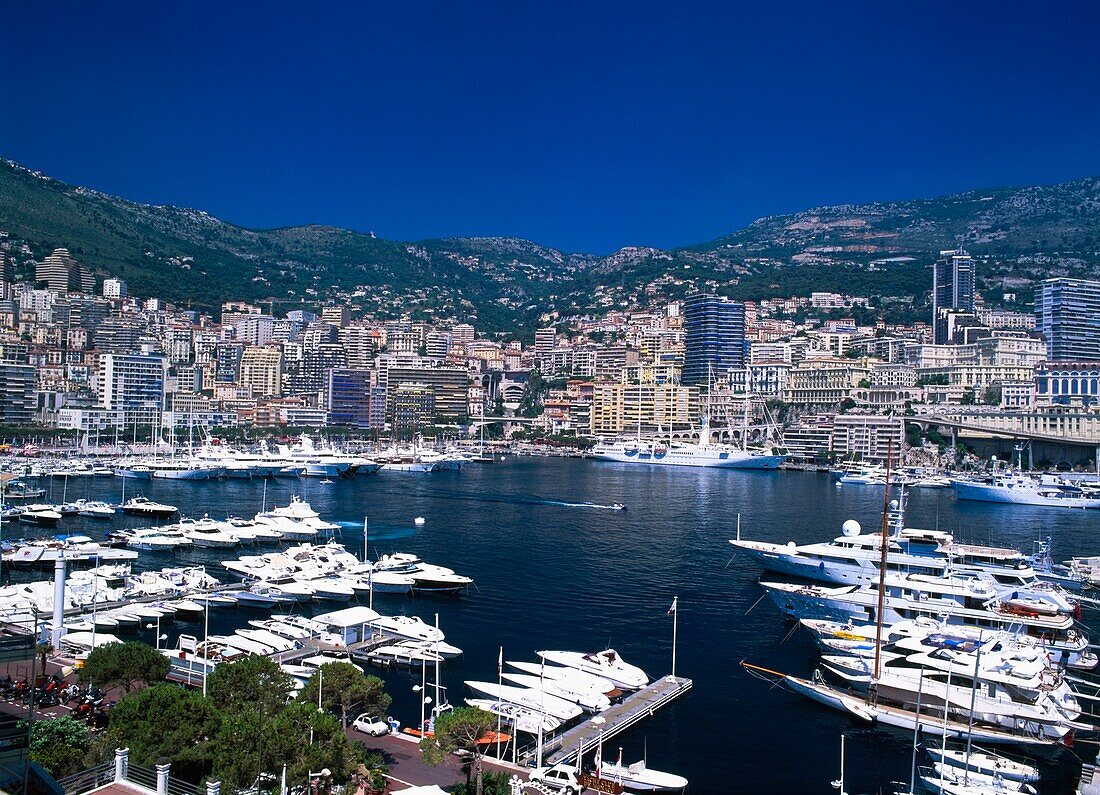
(326, 482)
(40, 515)
(618, 506)
(143, 506)
(639, 778)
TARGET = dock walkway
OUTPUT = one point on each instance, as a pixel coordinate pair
(618, 718)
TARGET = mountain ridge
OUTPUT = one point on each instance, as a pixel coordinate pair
(189, 256)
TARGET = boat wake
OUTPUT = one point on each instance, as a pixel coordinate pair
(525, 500)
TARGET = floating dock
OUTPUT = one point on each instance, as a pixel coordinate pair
(632, 710)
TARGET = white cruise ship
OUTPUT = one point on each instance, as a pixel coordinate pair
(686, 454)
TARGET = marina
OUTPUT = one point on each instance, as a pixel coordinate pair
(508, 506)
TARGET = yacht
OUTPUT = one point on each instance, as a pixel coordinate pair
(206, 533)
(262, 595)
(606, 663)
(685, 454)
(523, 719)
(40, 515)
(95, 509)
(570, 677)
(143, 506)
(407, 627)
(590, 701)
(972, 602)
(536, 700)
(855, 556)
(151, 539)
(637, 777)
(1021, 489)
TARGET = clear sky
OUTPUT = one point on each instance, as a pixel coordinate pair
(585, 126)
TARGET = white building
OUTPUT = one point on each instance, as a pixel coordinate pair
(114, 288)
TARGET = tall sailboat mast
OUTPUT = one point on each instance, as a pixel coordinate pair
(883, 542)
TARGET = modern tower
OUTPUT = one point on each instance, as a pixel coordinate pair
(1067, 314)
(714, 338)
(952, 289)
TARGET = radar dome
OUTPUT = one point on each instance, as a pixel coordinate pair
(893, 505)
(851, 528)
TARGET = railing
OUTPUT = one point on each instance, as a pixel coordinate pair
(142, 776)
(89, 779)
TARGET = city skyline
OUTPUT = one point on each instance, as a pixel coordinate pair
(586, 130)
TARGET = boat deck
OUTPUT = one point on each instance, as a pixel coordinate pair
(633, 709)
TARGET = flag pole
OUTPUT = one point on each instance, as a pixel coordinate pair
(500, 679)
(675, 618)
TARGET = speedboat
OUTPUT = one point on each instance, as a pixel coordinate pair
(143, 506)
(207, 533)
(522, 719)
(95, 509)
(531, 699)
(331, 588)
(591, 701)
(569, 677)
(606, 663)
(275, 641)
(639, 778)
(410, 627)
(985, 763)
(262, 595)
(40, 515)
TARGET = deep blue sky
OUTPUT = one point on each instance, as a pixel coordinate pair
(585, 126)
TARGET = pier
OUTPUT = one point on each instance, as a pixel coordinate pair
(631, 711)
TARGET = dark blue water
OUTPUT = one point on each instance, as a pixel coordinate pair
(553, 574)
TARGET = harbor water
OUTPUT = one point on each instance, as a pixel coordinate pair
(555, 570)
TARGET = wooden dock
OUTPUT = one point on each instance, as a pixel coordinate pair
(633, 709)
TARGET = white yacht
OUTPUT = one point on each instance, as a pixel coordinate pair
(143, 506)
(207, 533)
(1021, 489)
(606, 663)
(537, 700)
(637, 777)
(522, 719)
(588, 700)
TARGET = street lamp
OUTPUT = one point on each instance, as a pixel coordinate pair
(599, 721)
(424, 701)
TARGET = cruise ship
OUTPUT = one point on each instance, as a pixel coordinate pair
(686, 454)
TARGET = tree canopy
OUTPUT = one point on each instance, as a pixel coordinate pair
(252, 682)
(124, 665)
(166, 720)
(459, 730)
(60, 744)
(344, 689)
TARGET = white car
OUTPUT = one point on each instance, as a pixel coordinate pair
(371, 724)
(560, 777)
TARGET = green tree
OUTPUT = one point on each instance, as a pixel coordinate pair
(344, 688)
(459, 730)
(60, 745)
(251, 683)
(124, 665)
(494, 782)
(968, 398)
(166, 720)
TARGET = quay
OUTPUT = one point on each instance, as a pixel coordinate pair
(632, 710)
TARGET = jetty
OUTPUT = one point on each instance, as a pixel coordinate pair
(629, 712)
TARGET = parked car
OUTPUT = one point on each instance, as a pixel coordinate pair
(371, 724)
(560, 777)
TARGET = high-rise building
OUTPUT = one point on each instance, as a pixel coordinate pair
(17, 399)
(262, 371)
(448, 385)
(338, 315)
(348, 397)
(545, 340)
(227, 358)
(463, 333)
(952, 289)
(255, 329)
(714, 338)
(1067, 314)
(62, 273)
(134, 385)
(359, 341)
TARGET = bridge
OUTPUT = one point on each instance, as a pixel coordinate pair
(1073, 428)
